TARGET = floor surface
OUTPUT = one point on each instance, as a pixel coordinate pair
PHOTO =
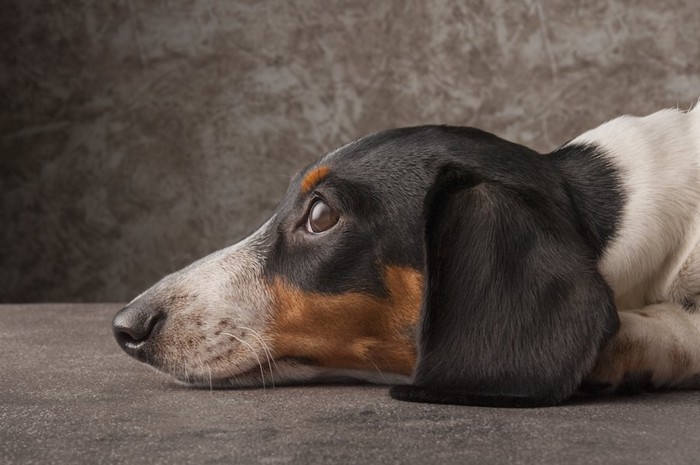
(68, 394)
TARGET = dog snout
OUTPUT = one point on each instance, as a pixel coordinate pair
(134, 326)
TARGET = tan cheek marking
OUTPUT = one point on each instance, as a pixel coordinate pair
(351, 330)
(313, 177)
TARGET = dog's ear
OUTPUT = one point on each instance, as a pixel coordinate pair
(514, 309)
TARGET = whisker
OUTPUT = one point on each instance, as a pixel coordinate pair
(262, 374)
(268, 352)
(177, 366)
(235, 379)
(203, 365)
(221, 354)
(378, 370)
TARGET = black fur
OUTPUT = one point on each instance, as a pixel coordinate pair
(593, 185)
(514, 309)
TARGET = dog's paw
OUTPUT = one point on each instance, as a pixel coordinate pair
(647, 353)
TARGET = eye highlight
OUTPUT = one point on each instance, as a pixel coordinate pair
(321, 217)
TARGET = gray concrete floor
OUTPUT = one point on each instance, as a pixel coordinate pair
(69, 395)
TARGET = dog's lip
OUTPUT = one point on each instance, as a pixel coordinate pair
(229, 381)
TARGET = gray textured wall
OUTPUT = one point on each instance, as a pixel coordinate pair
(137, 136)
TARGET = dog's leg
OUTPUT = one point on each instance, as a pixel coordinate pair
(657, 346)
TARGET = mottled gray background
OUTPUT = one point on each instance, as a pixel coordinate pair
(137, 136)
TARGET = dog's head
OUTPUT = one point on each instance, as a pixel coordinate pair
(479, 232)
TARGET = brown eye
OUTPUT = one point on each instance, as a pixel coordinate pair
(321, 217)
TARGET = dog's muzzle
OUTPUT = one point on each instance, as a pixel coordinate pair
(204, 321)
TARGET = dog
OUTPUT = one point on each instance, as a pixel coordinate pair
(457, 266)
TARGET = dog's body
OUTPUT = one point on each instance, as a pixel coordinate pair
(524, 265)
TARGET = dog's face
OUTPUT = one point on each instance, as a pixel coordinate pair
(479, 249)
(329, 287)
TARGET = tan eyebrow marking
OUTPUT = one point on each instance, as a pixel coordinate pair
(313, 177)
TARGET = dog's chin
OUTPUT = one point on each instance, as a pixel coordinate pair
(252, 378)
(285, 372)
(240, 381)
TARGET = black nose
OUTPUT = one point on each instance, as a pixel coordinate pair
(135, 325)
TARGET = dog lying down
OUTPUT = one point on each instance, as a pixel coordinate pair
(457, 266)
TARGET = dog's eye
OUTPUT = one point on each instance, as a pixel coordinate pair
(321, 217)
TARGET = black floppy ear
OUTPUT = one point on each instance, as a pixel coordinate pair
(514, 310)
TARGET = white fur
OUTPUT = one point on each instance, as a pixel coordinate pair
(225, 285)
(653, 262)
(658, 157)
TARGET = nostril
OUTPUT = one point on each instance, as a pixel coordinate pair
(138, 329)
(134, 326)
(124, 337)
